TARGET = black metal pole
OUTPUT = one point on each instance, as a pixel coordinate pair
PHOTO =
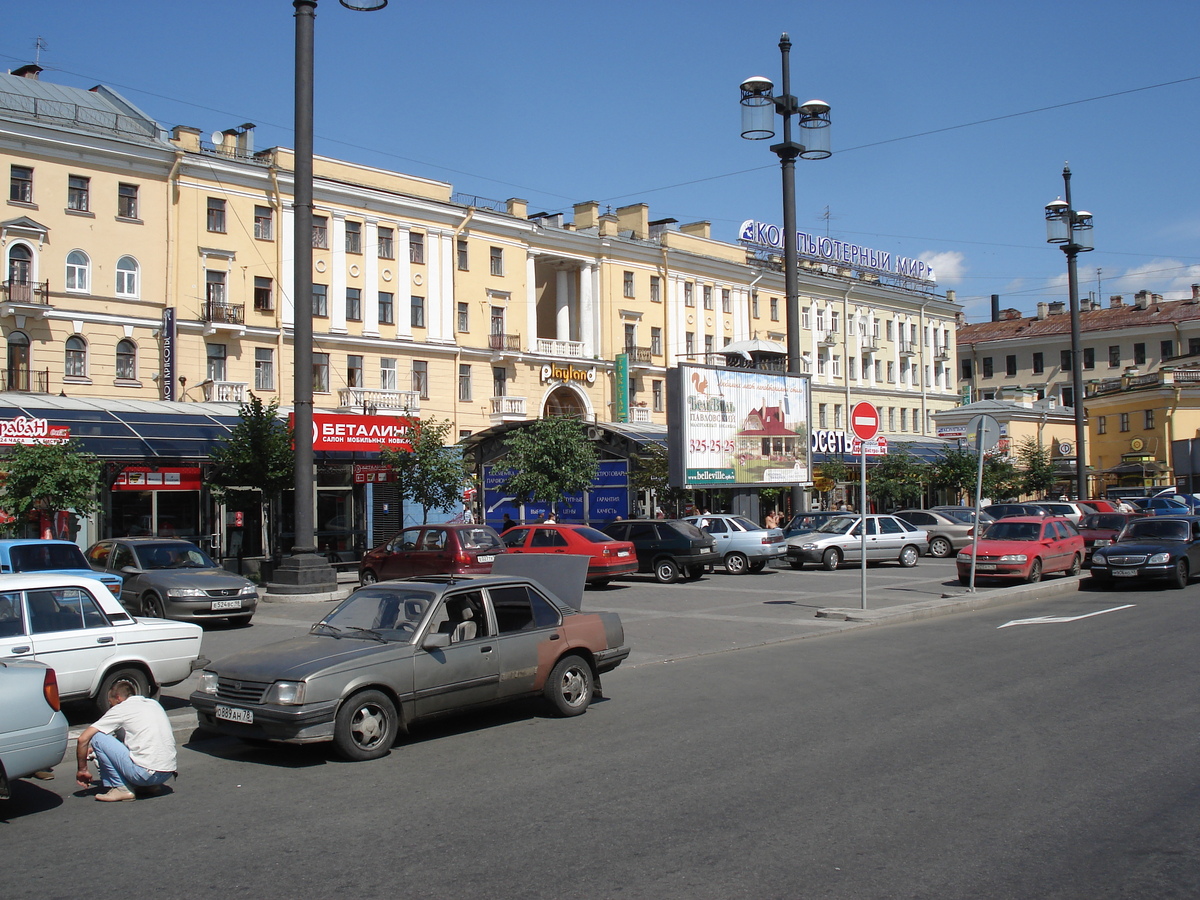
(1072, 250)
(302, 376)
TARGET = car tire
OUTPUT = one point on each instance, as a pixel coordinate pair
(135, 678)
(1035, 572)
(152, 606)
(796, 564)
(570, 685)
(831, 559)
(367, 577)
(1179, 575)
(239, 621)
(964, 580)
(666, 571)
(694, 573)
(1076, 565)
(909, 556)
(940, 547)
(365, 726)
(758, 566)
(736, 563)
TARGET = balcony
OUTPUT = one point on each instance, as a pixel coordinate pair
(908, 348)
(360, 399)
(828, 339)
(225, 391)
(870, 343)
(504, 344)
(641, 356)
(24, 298)
(225, 316)
(552, 347)
(25, 381)
(639, 415)
(941, 354)
(508, 409)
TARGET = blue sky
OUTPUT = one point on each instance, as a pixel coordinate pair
(951, 120)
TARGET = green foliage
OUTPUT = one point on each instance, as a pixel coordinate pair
(956, 470)
(650, 472)
(432, 474)
(897, 480)
(258, 454)
(550, 458)
(49, 477)
(1037, 475)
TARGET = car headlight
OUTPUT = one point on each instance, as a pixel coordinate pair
(208, 682)
(1159, 559)
(249, 588)
(964, 556)
(1014, 558)
(808, 546)
(287, 693)
(185, 592)
(1098, 558)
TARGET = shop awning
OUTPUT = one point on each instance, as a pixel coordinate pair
(1147, 469)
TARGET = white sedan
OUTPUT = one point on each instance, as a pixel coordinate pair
(72, 623)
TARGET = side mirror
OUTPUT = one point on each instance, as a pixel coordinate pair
(130, 570)
(436, 641)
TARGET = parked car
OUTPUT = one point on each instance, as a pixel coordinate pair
(666, 547)
(1072, 512)
(69, 621)
(172, 579)
(1171, 505)
(1151, 549)
(446, 549)
(1138, 503)
(963, 514)
(946, 534)
(1008, 510)
(609, 558)
(396, 652)
(805, 522)
(1101, 529)
(1025, 548)
(741, 545)
(33, 730)
(50, 556)
(840, 540)
(1099, 506)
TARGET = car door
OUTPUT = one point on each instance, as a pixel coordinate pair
(851, 543)
(467, 672)
(398, 563)
(70, 634)
(15, 642)
(548, 540)
(1054, 541)
(434, 553)
(122, 557)
(529, 637)
(645, 542)
(720, 531)
(891, 538)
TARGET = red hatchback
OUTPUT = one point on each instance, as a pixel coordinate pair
(1024, 548)
(610, 558)
(432, 550)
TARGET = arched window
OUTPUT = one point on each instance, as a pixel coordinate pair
(18, 362)
(78, 265)
(75, 360)
(126, 359)
(127, 277)
(20, 264)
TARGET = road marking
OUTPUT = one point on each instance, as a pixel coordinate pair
(1048, 620)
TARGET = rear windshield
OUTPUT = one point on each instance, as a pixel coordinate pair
(1104, 520)
(591, 534)
(1158, 529)
(478, 538)
(687, 529)
(838, 524)
(42, 557)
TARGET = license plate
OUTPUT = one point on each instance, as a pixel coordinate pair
(226, 604)
(233, 714)
(1125, 573)
(706, 549)
(622, 553)
(488, 558)
(985, 567)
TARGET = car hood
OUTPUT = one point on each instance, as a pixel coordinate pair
(208, 579)
(84, 573)
(300, 657)
(1146, 545)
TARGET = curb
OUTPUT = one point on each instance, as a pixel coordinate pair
(960, 601)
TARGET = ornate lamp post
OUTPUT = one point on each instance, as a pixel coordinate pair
(1072, 229)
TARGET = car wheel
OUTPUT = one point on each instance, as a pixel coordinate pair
(939, 548)
(736, 563)
(758, 566)
(367, 576)
(666, 571)
(240, 621)
(831, 559)
(964, 580)
(152, 606)
(365, 727)
(569, 687)
(1035, 572)
(796, 563)
(1076, 565)
(909, 556)
(1179, 575)
(134, 678)
(695, 572)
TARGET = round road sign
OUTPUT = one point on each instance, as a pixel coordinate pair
(864, 419)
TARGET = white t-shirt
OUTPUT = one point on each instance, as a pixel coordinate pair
(147, 732)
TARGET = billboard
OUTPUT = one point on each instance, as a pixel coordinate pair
(738, 427)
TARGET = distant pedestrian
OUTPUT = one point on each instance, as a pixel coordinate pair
(772, 520)
(144, 760)
(507, 523)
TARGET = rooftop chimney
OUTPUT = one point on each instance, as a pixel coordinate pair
(1043, 311)
(1196, 293)
(1141, 299)
(951, 296)
(995, 307)
(1011, 313)
(1057, 308)
(587, 215)
(1116, 301)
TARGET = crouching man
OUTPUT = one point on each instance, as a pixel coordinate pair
(143, 762)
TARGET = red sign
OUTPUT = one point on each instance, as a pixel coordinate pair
(366, 433)
(145, 478)
(32, 431)
(864, 420)
(373, 473)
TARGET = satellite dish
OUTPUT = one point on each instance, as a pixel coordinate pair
(218, 138)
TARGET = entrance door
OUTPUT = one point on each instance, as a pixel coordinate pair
(18, 362)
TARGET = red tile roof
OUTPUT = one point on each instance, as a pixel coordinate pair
(1127, 316)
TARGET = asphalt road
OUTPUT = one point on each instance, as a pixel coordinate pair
(943, 758)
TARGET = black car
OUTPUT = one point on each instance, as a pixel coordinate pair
(1151, 549)
(1008, 510)
(667, 547)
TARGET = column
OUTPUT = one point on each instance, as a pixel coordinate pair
(562, 305)
(588, 312)
(370, 300)
(531, 332)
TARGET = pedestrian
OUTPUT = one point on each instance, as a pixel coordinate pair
(550, 520)
(772, 520)
(507, 523)
(143, 761)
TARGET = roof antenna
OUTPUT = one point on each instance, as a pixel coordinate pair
(39, 45)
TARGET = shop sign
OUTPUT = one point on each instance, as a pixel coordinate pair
(621, 387)
(168, 354)
(370, 473)
(362, 433)
(22, 430)
(146, 478)
(831, 250)
(569, 372)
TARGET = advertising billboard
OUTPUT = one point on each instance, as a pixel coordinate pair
(738, 427)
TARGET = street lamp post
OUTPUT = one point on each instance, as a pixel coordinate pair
(759, 108)
(1072, 229)
(305, 571)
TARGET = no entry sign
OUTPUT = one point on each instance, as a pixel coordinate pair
(864, 420)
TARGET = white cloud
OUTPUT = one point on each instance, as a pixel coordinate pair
(1169, 277)
(948, 266)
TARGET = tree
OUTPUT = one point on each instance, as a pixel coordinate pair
(549, 459)
(897, 480)
(432, 473)
(650, 472)
(48, 478)
(1036, 467)
(956, 470)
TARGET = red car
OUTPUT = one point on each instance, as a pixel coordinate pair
(1100, 506)
(1024, 548)
(610, 558)
(1101, 529)
(432, 550)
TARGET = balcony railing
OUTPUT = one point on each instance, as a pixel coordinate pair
(552, 347)
(219, 312)
(364, 399)
(941, 354)
(225, 391)
(638, 355)
(908, 348)
(639, 415)
(27, 292)
(828, 339)
(25, 381)
(505, 343)
(506, 408)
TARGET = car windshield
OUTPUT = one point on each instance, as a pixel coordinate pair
(838, 525)
(1004, 530)
(745, 524)
(1156, 529)
(172, 555)
(478, 538)
(962, 516)
(1059, 509)
(41, 557)
(591, 534)
(1112, 521)
(378, 613)
(688, 530)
